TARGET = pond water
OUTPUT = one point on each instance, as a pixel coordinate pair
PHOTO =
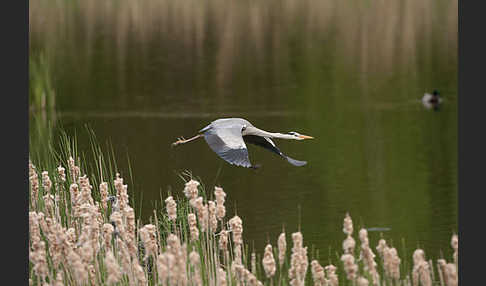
(349, 73)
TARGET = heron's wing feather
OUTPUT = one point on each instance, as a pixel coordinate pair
(228, 144)
(264, 142)
(268, 144)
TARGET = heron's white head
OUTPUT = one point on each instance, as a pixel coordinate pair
(298, 136)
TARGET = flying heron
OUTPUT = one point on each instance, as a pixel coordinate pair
(227, 138)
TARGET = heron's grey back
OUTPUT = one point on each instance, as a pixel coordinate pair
(226, 123)
(224, 138)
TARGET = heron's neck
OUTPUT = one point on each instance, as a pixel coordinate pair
(282, 136)
(272, 134)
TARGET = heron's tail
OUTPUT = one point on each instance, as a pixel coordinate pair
(295, 162)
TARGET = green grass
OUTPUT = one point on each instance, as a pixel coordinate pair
(42, 95)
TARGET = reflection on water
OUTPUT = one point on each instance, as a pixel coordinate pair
(349, 73)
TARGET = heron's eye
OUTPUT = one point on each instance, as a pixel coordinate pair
(243, 128)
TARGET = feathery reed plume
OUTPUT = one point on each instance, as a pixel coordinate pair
(121, 192)
(129, 222)
(90, 231)
(221, 277)
(350, 267)
(85, 191)
(107, 230)
(46, 182)
(112, 269)
(448, 272)
(38, 257)
(149, 238)
(195, 261)
(421, 270)
(318, 274)
(74, 190)
(139, 273)
(34, 230)
(282, 248)
(92, 274)
(331, 275)
(182, 264)
(179, 272)
(32, 169)
(223, 240)
(80, 271)
(104, 195)
(58, 281)
(361, 281)
(73, 169)
(191, 191)
(171, 208)
(348, 225)
(202, 213)
(49, 204)
(61, 173)
(455, 246)
(70, 236)
(391, 261)
(42, 222)
(198, 204)
(213, 221)
(368, 256)
(220, 195)
(191, 219)
(251, 279)
(268, 261)
(55, 235)
(124, 256)
(298, 261)
(165, 262)
(236, 226)
(243, 275)
(85, 251)
(34, 185)
(380, 248)
(348, 243)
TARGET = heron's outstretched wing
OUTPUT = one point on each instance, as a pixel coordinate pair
(229, 145)
(268, 144)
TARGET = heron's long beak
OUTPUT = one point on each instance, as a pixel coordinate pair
(306, 137)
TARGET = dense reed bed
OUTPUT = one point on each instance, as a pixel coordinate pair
(83, 230)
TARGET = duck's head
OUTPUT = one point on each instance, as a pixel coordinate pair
(435, 92)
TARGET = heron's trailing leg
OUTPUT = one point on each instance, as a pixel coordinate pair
(181, 140)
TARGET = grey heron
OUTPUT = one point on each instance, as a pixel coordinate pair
(227, 137)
